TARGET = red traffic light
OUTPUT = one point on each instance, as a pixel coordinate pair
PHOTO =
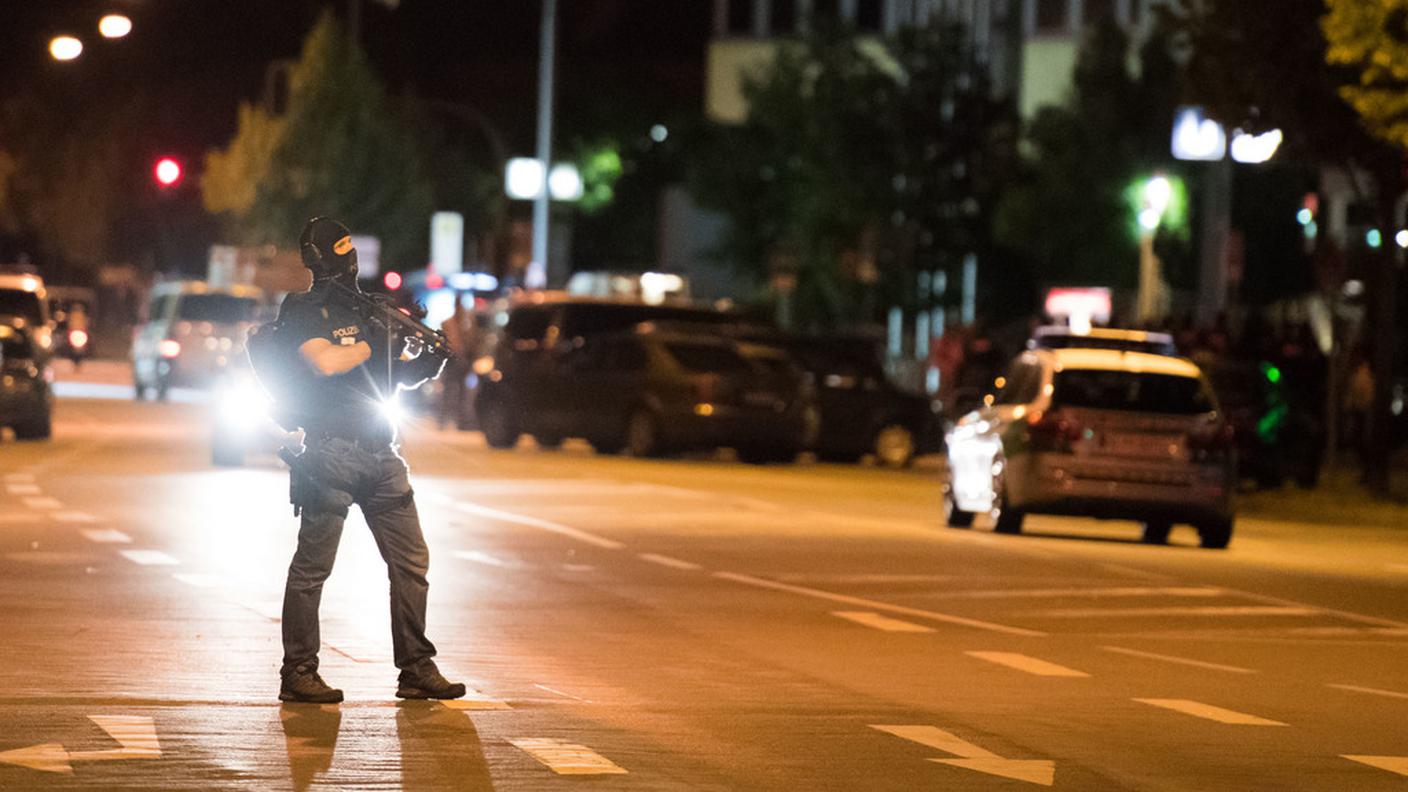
(167, 172)
(392, 280)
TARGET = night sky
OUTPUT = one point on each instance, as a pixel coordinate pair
(201, 57)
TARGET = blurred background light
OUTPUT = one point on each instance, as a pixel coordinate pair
(114, 26)
(65, 48)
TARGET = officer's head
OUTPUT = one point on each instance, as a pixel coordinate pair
(326, 247)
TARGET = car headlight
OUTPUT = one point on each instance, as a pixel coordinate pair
(243, 405)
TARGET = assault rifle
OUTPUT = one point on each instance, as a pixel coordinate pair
(390, 319)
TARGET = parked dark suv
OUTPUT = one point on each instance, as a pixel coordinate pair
(26, 401)
(641, 389)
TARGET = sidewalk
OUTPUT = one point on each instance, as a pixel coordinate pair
(1338, 501)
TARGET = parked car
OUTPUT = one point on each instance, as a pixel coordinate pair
(647, 392)
(861, 411)
(23, 302)
(1099, 433)
(26, 400)
(191, 333)
(1062, 337)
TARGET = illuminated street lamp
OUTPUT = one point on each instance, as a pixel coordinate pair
(114, 26)
(65, 48)
(1153, 199)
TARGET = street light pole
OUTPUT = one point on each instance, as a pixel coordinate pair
(537, 274)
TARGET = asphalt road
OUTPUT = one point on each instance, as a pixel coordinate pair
(680, 624)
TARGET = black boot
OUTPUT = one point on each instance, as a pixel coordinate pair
(308, 687)
(428, 685)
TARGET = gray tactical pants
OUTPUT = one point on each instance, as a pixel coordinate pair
(376, 479)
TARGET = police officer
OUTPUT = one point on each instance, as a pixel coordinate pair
(352, 370)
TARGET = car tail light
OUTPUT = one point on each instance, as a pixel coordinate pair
(1212, 443)
(77, 339)
(169, 348)
(1051, 431)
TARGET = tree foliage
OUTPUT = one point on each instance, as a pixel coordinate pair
(342, 150)
(859, 165)
(1371, 37)
(1069, 217)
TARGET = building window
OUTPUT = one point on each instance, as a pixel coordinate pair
(1097, 11)
(784, 17)
(1051, 16)
(740, 17)
(869, 15)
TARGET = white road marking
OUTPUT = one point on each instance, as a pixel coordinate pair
(19, 517)
(673, 563)
(23, 489)
(882, 622)
(1375, 621)
(1179, 660)
(1136, 573)
(480, 558)
(1369, 690)
(73, 517)
(1393, 764)
(1206, 610)
(578, 567)
(136, 734)
(149, 557)
(19, 478)
(973, 757)
(557, 692)
(749, 580)
(1397, 567)
(1031, 665)
(43, 504)
(534, 522)
(198, 580)
(1079, 593)
(1208, 712)
(566, 758)
(106, 536)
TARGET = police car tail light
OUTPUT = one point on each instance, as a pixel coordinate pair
(169, 348)
(1211, 443)
(78, 339)
(1051, 431)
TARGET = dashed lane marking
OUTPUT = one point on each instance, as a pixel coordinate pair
(1079, 593)
(673, 563)
(1030, 665)
(480, 558)
(73, 517)
(19, 478)
(534, 522)
(882, 622)
(749, 580)
(1191, 610)
(19, 517)
(557, 692)
(149, 558)
(198, 580)
(973, 757)
(1208, 712)
(566, 758)
(43, 504)
(578, 567)
(23, 489)
(1397, 567)
(1393, 764)
(1179, 660)
(106, 536)
(1134, 572)
(1369, 690)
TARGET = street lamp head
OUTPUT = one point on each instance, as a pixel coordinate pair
(114, 26)
(65, 48)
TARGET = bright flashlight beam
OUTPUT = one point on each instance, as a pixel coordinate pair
(114, 26)
(391, 410)
(65, 48)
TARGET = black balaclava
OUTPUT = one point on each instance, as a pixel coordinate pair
(326, 247)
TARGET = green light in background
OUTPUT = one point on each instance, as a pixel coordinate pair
(1273, 374)
(1374, 239)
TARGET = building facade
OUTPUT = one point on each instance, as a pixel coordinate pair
(1029, 46)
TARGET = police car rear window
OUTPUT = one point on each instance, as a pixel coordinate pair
(13, 345)
(1131, 391)
(706, 357)
(14, 302)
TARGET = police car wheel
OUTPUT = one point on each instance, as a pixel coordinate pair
(498, 426)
